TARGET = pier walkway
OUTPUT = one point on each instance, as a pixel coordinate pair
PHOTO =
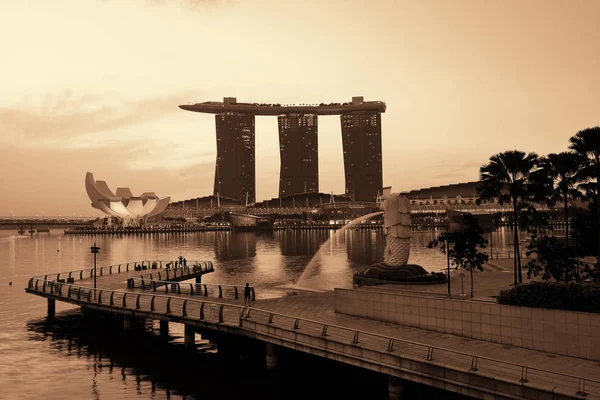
(307, 322)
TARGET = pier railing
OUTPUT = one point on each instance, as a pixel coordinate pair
(148, 302)
(170, 271)
(396, 346)
(197, 289)
(307, 329)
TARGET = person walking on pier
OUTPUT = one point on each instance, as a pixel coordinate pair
(247, 295)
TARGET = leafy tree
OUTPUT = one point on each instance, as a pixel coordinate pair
(507, 178)
(552, 257)
(466, 243)
(585, 234)
(586, 143)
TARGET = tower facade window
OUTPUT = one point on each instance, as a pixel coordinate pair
(361, 141)
(235, 166)
(298, 138)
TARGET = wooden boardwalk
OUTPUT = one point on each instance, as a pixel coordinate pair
(308, 322)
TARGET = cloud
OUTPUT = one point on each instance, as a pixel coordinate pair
(442, 163)
(453, 171)
(168, 155)
(195, 4)
(66, 120)
(469, 166)
(446, 176)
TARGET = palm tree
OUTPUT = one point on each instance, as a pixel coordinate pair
(562, 172)
(562, 169)
(506, 178)
(586, 143)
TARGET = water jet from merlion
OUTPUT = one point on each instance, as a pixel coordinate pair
(395, 267)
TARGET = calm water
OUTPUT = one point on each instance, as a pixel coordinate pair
(72, 357)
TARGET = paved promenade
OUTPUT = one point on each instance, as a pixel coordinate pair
(320, 306)
(300, 320)
(497, 275)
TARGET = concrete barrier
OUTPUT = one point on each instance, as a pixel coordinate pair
(554, 331)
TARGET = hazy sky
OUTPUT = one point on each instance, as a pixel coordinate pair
(93, 85)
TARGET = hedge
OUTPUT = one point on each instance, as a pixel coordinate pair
(553, 295)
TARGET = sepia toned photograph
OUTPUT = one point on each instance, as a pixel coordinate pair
(300, 199)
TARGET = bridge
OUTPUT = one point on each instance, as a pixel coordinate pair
(309, 323)
(50, 221)
(440, 209)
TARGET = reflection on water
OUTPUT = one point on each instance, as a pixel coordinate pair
(143, 364)
(74, 359)
(301, 242)
(364, 248)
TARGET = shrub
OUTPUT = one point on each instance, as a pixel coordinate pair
(559, 296)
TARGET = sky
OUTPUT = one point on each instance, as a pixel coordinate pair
(94, 85)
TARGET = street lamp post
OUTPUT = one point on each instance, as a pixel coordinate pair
(95, 250)
(448, 256)
(448, 267)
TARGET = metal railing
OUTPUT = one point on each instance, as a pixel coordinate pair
(153, 303)
(391, 346)
(222, 313)
(199, 289)
(71, 276)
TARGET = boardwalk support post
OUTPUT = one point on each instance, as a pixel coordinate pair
(164, 327)
(272, 356)
(189, 335)
(395, 388)
(128, 322)
(51, 307)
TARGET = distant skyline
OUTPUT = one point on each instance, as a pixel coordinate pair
(94, 85)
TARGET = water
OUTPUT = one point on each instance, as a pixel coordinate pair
(71, 358)
(309, 271)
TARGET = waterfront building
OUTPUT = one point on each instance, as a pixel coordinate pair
(235, 167)
(361, 141)
(123, 206)
(298, 149)
(298, 130)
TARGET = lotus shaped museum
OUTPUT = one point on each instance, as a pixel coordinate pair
(122, 204)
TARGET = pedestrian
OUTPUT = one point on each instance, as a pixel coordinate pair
(184, 262)
(247, 297)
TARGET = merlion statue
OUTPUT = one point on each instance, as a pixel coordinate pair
(395, 267)
(396, 226)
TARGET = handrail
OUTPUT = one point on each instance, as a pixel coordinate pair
(160, 264)
(357, 332)
(247, 311)
(91, 290)
(153, 284)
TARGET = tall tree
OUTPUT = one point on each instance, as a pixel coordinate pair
(553, 259)
(507, 178)
(563, 170)
(587, 144)
(466, 243)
